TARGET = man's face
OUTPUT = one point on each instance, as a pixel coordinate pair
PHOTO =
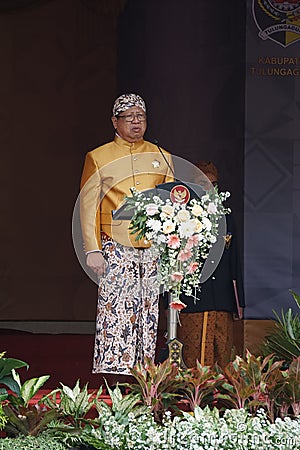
(131, 124)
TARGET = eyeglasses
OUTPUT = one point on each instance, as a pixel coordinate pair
(130, 117)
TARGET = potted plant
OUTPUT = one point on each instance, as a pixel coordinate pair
(284, 339)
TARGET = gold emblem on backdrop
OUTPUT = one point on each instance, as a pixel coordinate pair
(277, 20)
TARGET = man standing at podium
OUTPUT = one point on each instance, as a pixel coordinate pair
(127, 312)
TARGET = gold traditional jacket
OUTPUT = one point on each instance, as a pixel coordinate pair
(109, 173)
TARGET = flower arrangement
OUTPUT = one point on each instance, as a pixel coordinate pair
(181, 234)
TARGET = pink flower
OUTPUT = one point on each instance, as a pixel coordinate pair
(178, 305)
(185, 254)
(192, 241)
(173, 241)
(193, 267)
(177, 276)
(188, 245)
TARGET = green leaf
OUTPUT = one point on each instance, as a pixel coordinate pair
(3, 394)
(289, 326)
(15, 420)
(296, 298)
(31, 387)
(8, 364)
(47, 418)
(11, 384)
(68, 392)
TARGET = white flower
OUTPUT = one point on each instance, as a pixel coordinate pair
(157, 199)
(168, 227)
(154, 224)
(197, 210)
(198, 225)
(206, 223)
(212, 208)
(183, 216)
(187, 229)
(161, 239)
(168, 210)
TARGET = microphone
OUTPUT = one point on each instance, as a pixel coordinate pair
(195, 190)
(155, 141)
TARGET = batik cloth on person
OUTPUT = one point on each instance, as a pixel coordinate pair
(127, 311)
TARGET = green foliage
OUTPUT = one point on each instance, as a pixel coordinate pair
(73, 404)
(284, 340)
(121, 406)
(24, 418)
(199, 385)
(157, 385)
(296, 298)
(114, 417)
(249, 381)
(42, 442)
(286, 392)
(28, 421)
(28, 390)
(72, 407)
(93, 439)
(3, 418)
(246, 385)
(7, 375)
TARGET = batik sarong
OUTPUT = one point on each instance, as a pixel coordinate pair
(127, 311)
(206, 337)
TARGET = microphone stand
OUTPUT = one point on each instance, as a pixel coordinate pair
(175, 346)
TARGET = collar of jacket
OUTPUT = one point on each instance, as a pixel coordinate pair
(130, 146)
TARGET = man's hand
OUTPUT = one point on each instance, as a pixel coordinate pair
(97, 263)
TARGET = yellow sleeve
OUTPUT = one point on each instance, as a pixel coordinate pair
(89, 204)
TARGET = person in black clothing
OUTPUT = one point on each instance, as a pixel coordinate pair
(206, 329)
